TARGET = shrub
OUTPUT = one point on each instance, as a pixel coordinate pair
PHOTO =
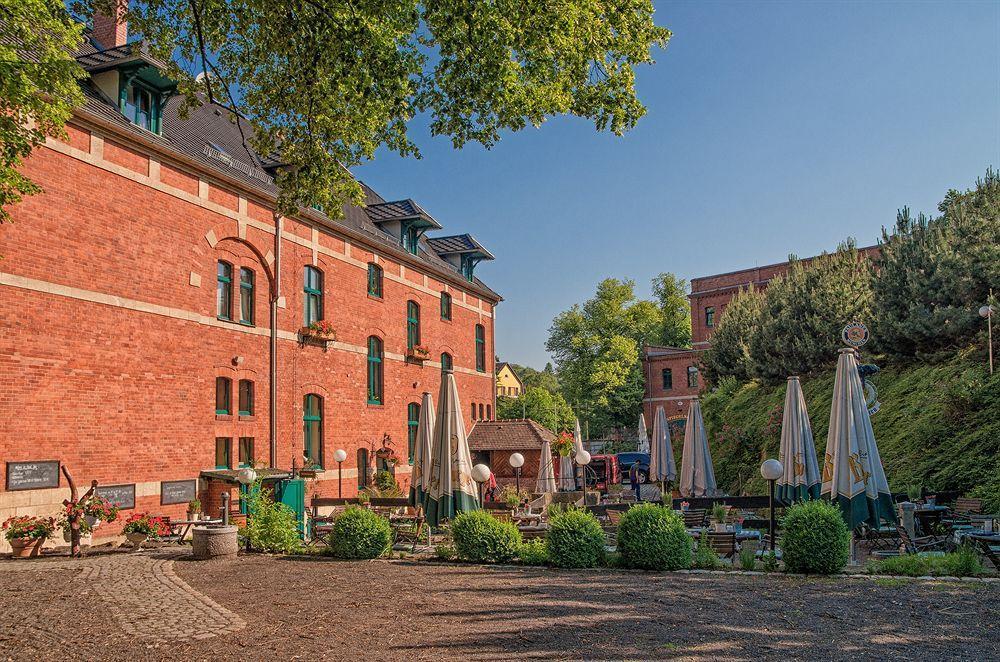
(533, 552)
(815, 538)
(445, 552)
(575, 540)
(748, 559)
(482, 538)
(769, 561)
(271, 527)
(654, 538)
(962, 563)
(360, 534)
(705, 557)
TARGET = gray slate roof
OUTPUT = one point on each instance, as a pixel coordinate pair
(459, 243)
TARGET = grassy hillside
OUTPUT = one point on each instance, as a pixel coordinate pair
(939, 426)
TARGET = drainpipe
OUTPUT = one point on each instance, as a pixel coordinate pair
(275, 293)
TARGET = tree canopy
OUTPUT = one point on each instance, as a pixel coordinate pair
(549, 409)
(327, 82)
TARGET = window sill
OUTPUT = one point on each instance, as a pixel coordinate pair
(248, 417)
(245, 323)
(375, 298)
(375, 405)
(223, 417)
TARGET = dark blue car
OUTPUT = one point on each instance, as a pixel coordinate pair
(625, 462)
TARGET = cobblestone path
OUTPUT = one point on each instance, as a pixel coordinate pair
(146, 597)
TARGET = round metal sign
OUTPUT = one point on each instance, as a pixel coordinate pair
(855, 334)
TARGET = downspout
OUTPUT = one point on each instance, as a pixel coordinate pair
(275, 294)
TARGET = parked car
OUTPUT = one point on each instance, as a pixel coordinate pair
(602, 471)
(625, 462)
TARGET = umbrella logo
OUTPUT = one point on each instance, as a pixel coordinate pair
(858, 471)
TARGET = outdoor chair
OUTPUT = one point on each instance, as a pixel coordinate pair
(878, 540)
(931, 543)
(694, 519)
(409, 527)
(988, 550)
(723, 544)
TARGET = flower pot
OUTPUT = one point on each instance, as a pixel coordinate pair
(26, 548)
(720, 527)
(137, 539)
(91, 521)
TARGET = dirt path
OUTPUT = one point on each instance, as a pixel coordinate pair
(402, 611)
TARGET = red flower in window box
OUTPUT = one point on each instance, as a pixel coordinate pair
(320, 330)
(418, 352)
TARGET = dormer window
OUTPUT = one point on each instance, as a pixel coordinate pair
(141, 105)
(411, 237)
(468, 267)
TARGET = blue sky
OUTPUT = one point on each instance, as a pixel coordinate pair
(773, 128)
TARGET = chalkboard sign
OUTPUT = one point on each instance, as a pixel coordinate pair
(177, 491)
(122, 496)
(32, 475)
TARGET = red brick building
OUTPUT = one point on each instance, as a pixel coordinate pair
(672, 374)
(152, 306)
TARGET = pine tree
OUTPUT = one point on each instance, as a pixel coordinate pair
(729, 355)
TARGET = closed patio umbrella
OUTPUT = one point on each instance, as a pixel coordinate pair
(800, 480)
(420, 477)
(853, 477)
(662, 467)
(567, 481)
(546, 482)
(643, 446)
(451, 489)
(697, 473)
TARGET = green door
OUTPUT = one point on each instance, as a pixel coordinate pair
(292, 493)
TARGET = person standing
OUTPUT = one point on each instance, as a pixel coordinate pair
(633, 477)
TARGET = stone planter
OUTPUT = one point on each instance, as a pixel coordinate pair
(214, 542)
(136, 539)
(26, 548)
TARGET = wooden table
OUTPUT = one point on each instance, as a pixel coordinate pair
(186, 524)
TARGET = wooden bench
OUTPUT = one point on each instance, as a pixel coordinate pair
(694, 519)
(723, 543)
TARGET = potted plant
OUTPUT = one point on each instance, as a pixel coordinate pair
(67, 528)
(97, 509)
(418, 353)
(194, 509)
(719, 516)
(319, 330)
(685, 506)
(141, 527)
(564, 444)
(26, 534)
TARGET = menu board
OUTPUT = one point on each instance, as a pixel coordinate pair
(177, 491)
(122, 496)
(32, 475)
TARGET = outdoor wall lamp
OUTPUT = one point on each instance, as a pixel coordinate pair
(516, 460)
(771, 470)
(339, 456)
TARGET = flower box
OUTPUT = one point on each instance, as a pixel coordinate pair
(321, 330)
(418, 353)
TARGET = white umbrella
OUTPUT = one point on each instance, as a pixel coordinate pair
(546, 481)
(853, 477)
(451, 489)
(420, 478)
(567, 478)
(800, 480)
(643, 446)
(662, 467)
(697, 474)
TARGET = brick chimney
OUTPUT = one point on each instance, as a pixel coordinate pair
(111, 32)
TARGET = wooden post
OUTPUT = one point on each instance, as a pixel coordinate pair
(74, 517)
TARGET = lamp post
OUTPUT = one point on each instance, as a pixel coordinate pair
(987, 312)
(246, 478)
(771, 470)
(340, 455)
(583, 459)
(516, 460)
(481, 474)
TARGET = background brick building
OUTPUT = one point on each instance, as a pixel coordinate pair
(113, 341)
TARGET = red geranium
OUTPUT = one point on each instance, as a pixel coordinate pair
(26, 526)
(151, 525)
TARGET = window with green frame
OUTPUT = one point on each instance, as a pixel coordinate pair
(480, 348)
(412, 423)
(224, 290)
(374, 370)
(468, 267)
(446, 362)
(141, 105)
(445, 306)
(412, 324)
(313, 295)
(223, 446)
(246, 397)
(246, 452)
(374, 280)
(312, 429)
(410, 238)
(246, 295)
(223, 396)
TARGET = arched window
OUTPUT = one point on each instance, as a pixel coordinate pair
(246, 295)
(374, 280)
(223, 396)
(412, 423)
(412, 324)
(246, 398)
(224, 290)
(446, 362)
(445, 306)
(312, 429)
(692, 377)
(480, 348)
(489, 412)
(481, 417)
(473, 411)
(362, 468)
(374, 370)
(312, 288)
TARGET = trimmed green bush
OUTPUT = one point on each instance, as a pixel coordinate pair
(360, 534)
(533, 552)
(815, 539)
(483, 538)
(575, 540)
(654, 538)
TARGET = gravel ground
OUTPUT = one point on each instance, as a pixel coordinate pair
(319, 609)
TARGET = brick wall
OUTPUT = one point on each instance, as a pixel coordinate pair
(110, 346)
